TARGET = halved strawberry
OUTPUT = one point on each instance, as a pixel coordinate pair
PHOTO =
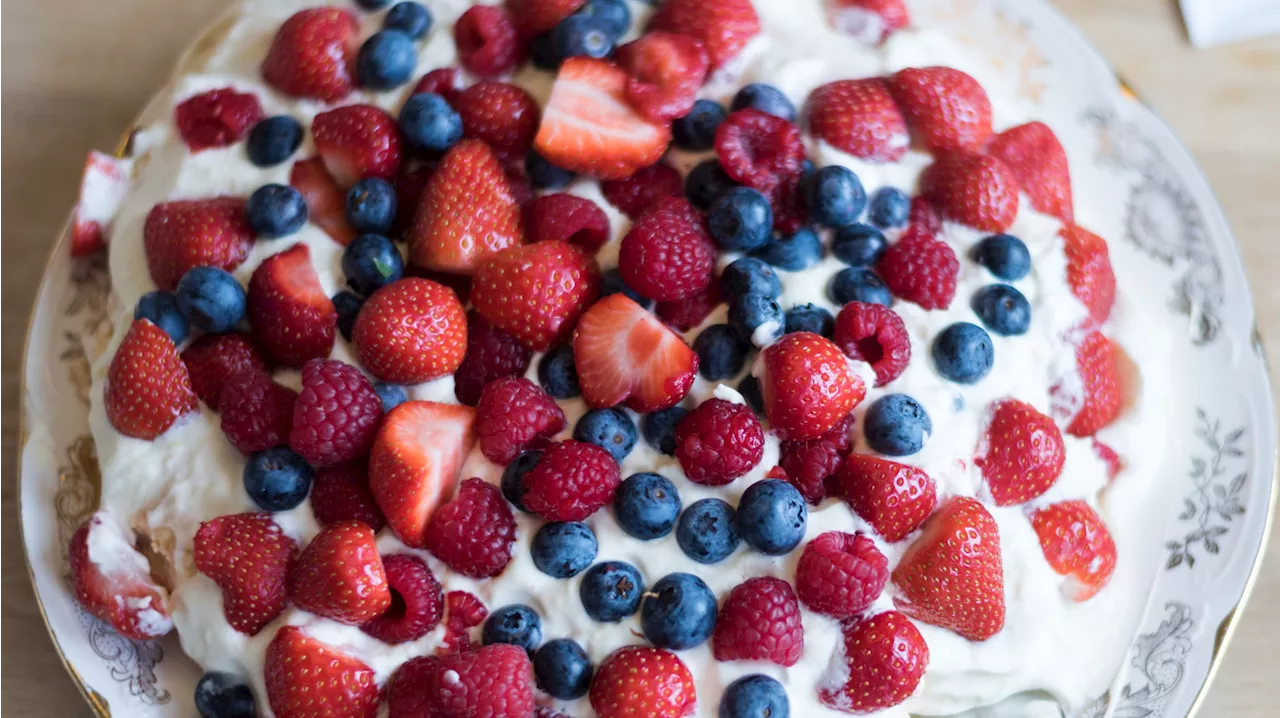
(625, 354)
(536, 292)
(1100, 395)
(104, 183)
(307, 678)
(326, 202)
(807, 386)
(884, 657)
(723, 26)
(666, 69)
(113, 580)
(588, 127)
(894, 498)
(292, 318)
(216, 118)
(945, 108)
(1077, 544)
(248, 557)
(1024, 453)
(313, 54)
(147, 387)
(357, 141)
(1089, 271)
(410, 331)
(182, 235)
(340, 575)
(972, 189)
(1037, 159)
(871, 21)
(415, 461)
(859, 117)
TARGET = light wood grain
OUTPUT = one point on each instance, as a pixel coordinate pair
(76, 71)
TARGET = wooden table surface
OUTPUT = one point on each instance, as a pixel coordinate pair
(76, 71)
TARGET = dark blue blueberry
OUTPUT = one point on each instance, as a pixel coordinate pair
(373, 4)
(696, 131)
(646, 506)
(613, 283)
(410, 18)
(516, 624)
(610, 429)
(513, 478)
(707, 531)
(890, 208)
(222, 695)
(749, 388)
(807, 167)
(613, 15)
(273, 140)
(581, 36)
(558, 374)
(371, 205)
(755, 696)
(386, 60)
(757, 319)
(392, 395)
(275, 210)
(542, 52)
(740, 219)
(544, 175)
(277, 479)
(794, 253)
(1004, 255)
(963, 353)
(611, 591)
(347, 304)
(162, 309)
(430, 123)
(678, 612)
(749, 275)
(721, 352)
(211, 299)
(371, 262)
(766, 98)
(854, 284)
(705, 182)
(896, 425)
(564, 550)
(772, 516)
(834, 196)
(659, 428)
(859, 245)
(563, 669)
(1002, 309)
(808, 318)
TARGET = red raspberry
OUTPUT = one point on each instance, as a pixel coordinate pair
(571, 481)
(337, 414)
(634, 194)
(920, 269)
(495, 681)
(491, 354)
(758, 149)
(473, 533)
(503, 115)
(446, 82)
(807, 465)
(789, 213)
(667, 254)
(216, 118)
(214, 358)
(534, 17)
(759, 621)
(718, 442)
(875, 334)
(409, 184)
(841, 435)
(512, 414)
(487, 41)
(341, 493)
(568, 218)
(924, 217)
(665, 70)
(685, 314)
(463, 611)
(519, 184)
(257, 413)
(840, 574)
(417, 603)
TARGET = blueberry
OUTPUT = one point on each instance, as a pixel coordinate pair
(410, 18)
(749, 275)
(392, 395)
(430, 123)
(373, 4)
(696, 131)
(721, 352)
(890, 208)
(740, 219)
(558, 374)
(544, 175)
(564, 550)
(1002, 309)
(679, 612)
(755, 696)
(1004, 255)
(963, 353)
(613, 283)
(513, 477)
(211, 299)
(766, 98)
(222, 695)
(516, 624)
(273, 140)
(859, 245)
(371, 205)
(705, 182)
(613, 15)
(542, 52)
(646, 506)
(611, 591)
(772, 516)
(660, 428)
(610, 429)
(371, 262)
(581, 36)
(834, 196)
(386, 60)
(854, 284)
(347, 304)
(275, 210)
(749, 388)
(756, 318)
(801, 250)
(808, 318)
(277, 479)
(563, 669)
(896, 425)
(707, 531)
(162, 309)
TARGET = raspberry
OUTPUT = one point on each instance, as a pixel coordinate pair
(759, 621)
(685, 314)
(841, 435)
(473, 533)
(534, 17)
(565, 217)
(920, 269)
(214, 358)
(341, 493)
(519, 184)
(875, 334)
(491, 354)
(495, 681)
(840, 574)
(664, 72)
(634, 194)
(443, 81)
(758, 149)
(718, 442)
(487, 41)
(667, 254)
(512, 413)
(417, 603)
(216, 118)
(573, 480)
(409, 184)
(503, 115)
(789, 213)
(337, 414)
(463, 611)
(257, 413)
(807, 465)
(924, 217)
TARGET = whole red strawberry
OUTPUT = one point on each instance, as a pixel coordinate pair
(214, 358)
(1089, 272)
(473, 534)
(894, 498)
(759, 150)
(859, 117)
(113, 581)
(257, 412)
(807, 386)
(625, 354)
(944, 108)
(514, 412)
(668, 253)
(875, 334)
(216, 118)
(643, 682)
(568, 218)
(719, 441)
(884, 658)
(505, 116)
(357, 141)
(665, 71)
(871, 21)
(1024, 453)
(337, 414)
(147, 387)
(487, 41)
(571, 481)
(326, 200)
(291, 316)
(416, 597)
(723, 26)
(313, 54)
(759, 621)
(184, 234)
(341, 493)
(491, 354)
(306, 678)
(410, 331)
(1101, 398)
(491, 682)
(920, 269)
(339, 575)
(973, 189)
(248, 557)
(636, 193)
(1077, 544)
(1036, 157)
(537, 292)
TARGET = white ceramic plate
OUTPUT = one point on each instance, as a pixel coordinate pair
(1151, 202)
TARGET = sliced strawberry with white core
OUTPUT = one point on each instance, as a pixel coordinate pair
(103, 185)
(113, 580)
(624, 353)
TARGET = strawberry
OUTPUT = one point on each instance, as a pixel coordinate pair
(313, 53)
(723, 26)
(565, 217)
(306, 678)
(102, 186)
(184, 234)
(1024, 453)
(1038, 160)
(326, 202)
(952, 576)
(505, 116)
(884, 658)
(216, 118)
(871, 21)
(588, 127)
(859, 117)
(643, 682)
(248, 557)
(1077, 544)
(972, 189)
(1089, 271)
(664, 71)
(410, 331)
(807, 386)
(415, 461)
(537, 292)
(1101, 398)
(340, 576)
(495, 681)
(357, 141)
(625, 354)
(292, 318)
(1109, 458)
(945, 108)
(894, 498)
(467, 212)
(534, 17)
(147, 387)
(113, 580)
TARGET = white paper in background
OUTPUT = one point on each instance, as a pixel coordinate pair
(1214, 22)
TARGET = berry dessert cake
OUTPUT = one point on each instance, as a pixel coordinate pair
(572, 358)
